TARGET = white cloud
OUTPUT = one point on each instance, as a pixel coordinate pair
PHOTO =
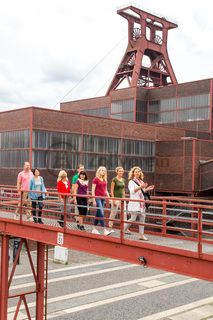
(48, 47)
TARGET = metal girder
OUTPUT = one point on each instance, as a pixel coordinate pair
(182, 261)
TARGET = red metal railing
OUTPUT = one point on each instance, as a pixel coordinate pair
(188, 220)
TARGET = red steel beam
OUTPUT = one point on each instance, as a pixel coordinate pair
(4, 289)
(157, 256)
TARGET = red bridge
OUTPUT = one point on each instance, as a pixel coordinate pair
(180, 232)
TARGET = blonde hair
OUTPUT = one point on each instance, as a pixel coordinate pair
(61, 173)
(98, 173)
(131, 173)
(118, 168)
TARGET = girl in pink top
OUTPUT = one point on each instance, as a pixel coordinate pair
(99, 189)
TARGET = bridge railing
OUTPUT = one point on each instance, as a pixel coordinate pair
(170, 221)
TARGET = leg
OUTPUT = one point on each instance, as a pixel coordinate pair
(132, 219)
(142, 217)
(27, 204)
(100, 211)
(40, 206)
(114, 211)
(61, 221)
(34, 210)
(80, 211)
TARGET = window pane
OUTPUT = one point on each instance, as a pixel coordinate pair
(13, 158)
(92, 162)
(14, 139)
(201, 100)
(194, 114)
(100, 144)
(122, 106)
(146, 164)
(101, 112)
(144, 148)
(56, 140)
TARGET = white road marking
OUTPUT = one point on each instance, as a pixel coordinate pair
(152, 283)
(170, 312)
(99, 289)
(68, 268)
(74, 276)
(196, 314)
(118, 298)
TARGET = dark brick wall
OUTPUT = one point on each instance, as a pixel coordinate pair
(92, 103)
(15, 119)
(46, 119)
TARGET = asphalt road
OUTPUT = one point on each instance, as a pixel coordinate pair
(95, 288)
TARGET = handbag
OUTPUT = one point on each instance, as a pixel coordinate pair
(146, 195)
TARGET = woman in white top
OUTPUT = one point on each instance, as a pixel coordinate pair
(137, 209)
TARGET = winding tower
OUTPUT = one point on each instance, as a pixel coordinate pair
(146, 61)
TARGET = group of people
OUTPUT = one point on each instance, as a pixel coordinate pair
(31, 180)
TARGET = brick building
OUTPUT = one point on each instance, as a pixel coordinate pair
(154, 122)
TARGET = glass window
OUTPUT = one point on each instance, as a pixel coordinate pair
(146, 164)
(143, 148)
(61, 160)
(193, 114)
(100, 144)
(201, 100)
(13, 158)
(92, 162)
(56, 140)
(167, 117)
(162, 105)
(101, 112)
(128, 116)
(14, 139)
(122, 106)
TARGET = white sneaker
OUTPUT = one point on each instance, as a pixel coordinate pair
(95, 231)
(112, 231)
(107, 232)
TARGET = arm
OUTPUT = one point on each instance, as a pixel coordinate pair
(149, 188)
(133, 188)
(93, 194)
(112, 188)
(75, 191)
(19, 183)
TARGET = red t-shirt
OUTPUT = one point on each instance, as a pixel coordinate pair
(63, 187)
(101, 187)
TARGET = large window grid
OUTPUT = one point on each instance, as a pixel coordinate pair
(180, 109)
(56, 140)
(55, 159)
(13, 158)
(123, 110)
(94, 151)
(14, 139)
(100, 144)
(137, 147)
(99, 112)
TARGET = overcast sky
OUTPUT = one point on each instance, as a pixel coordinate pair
(50, 48)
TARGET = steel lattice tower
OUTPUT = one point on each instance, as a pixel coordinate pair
(146, 62)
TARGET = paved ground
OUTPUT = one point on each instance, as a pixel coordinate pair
(95, 288)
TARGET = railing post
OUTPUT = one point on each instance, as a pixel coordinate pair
(164, 220)
(122, 220)
(40, 281)
(65, 212)
(200, 230)
(4, 289)
(21, 207)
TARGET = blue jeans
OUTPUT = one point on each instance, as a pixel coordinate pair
(100, 211)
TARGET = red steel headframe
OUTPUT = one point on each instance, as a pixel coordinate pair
(147, 37)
